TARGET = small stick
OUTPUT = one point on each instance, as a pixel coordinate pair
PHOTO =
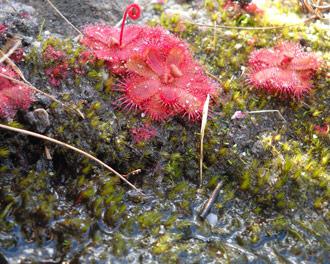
(251, 28)
(213, 76)
(33, 134)
(15, 68)
(47, 153)
(203, 125)
(267, 111)
(10, 52)
(318, 6)
(215, 35)
(134, 172)
(210, 201)
(61, 15)
(306, 105)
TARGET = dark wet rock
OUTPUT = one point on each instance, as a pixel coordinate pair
(244, 132)
(38, 119)
(3, 260)
(258, 149)
(99, 11)
(19, 18)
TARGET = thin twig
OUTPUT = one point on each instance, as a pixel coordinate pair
(15, 68)
(320, 6)
(267, 111)
(317, 8)
(33, 134)
(203, 125)
(213, 76)
(10, 52)
(134, 172)
(215, 35)
(211, 201)
(252, 28)
(61, 15)
(11, 5)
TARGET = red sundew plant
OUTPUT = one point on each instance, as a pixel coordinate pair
(86, 57)
(58, 69)
(24, 14)
(144, 133)
(104, 42)
(253, 9)
(53, 55)
(284, 70)
(166, 82)
(3, 28)
(56, 74)
(237, 6)
(160, 76)
(111, 44)
(13, 96)
(18, 55)
(322, 130)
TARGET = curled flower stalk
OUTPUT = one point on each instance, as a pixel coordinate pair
(134, 12)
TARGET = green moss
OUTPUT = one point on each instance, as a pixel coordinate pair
(75, 226)
(174, 167)
(119, 245)
(4, 152)
(113, 213)
(165, 243)
(150, 219)
(88, 193)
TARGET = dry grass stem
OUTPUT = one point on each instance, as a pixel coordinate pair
(316, 7)
(215, 35)
(134, 172)
(33, 134)
(213, 76)
(47, 153)
(5, 56)
(267, 111)
(15, 68)
(61, 15)
(210, 201)
(252, 28)
(203, 125)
